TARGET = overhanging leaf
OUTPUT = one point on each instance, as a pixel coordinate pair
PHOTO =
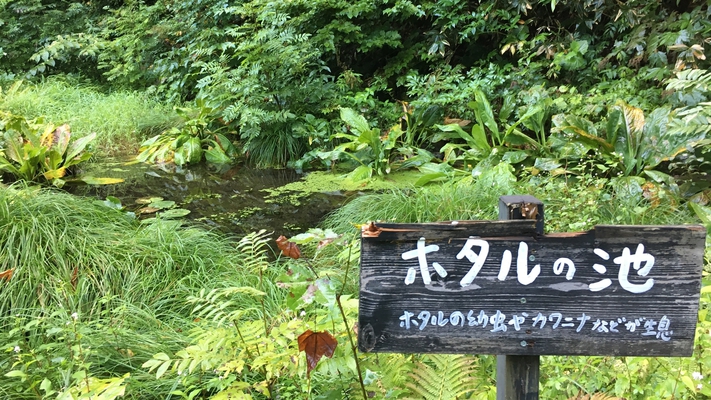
(101, 181)
(162, 204)
(174, 213)
(427, 178)
(704, 214)
(217, 156)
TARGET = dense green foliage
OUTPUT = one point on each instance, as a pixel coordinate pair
(276, 72)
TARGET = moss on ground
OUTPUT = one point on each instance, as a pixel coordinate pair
(329, 182)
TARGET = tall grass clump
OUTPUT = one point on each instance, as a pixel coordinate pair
(89, 277)
(569, 205)
(70, 252)
(121, 119)
(461, 200)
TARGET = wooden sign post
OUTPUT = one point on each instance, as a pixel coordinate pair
(501, 287)
(517, 377)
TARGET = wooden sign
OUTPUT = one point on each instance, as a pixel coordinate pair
(496, 287)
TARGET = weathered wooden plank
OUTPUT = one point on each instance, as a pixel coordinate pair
(449, 230)
(630, 314)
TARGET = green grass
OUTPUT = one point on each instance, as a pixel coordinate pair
(71, 252)
(121, 119)
(462, 200)
(569, 206)
(274, 148)
(127, 281)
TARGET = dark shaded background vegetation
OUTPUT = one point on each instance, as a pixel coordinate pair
(275, 73)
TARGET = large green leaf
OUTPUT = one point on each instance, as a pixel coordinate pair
(661, 143)
(101, 181)
(487, 164)
(435, 171)
(535, 120)
(362, 172)
(500, 176)
(151, 141)
(147, 154)
(6, 165)
(627, 187)
(162, 204)
(476, 140)
(53, 160)
(193, 150)
(13, 146)
(514, 157)
(581, 130)
(225, 145)
(356, 121)
(430, 116)
(78, 146)
(174, 213)
(217, 156)
(427, 178)
(546, 164)
(627, 126)
(76, 160)
(516, 137)
(485, 115)
(564, 148)
(704, 214)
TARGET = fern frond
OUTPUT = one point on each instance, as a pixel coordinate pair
(254, 250)
(221, 305)
(444, 377)
(392, 371)
(691, 79)
(692, 123)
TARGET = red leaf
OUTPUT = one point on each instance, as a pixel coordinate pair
(75, 277)
(316, 345)
(7, 274)
(287, 248)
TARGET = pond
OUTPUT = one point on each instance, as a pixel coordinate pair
(236, 200)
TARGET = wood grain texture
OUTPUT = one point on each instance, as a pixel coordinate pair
(517, 377)
(384, 296)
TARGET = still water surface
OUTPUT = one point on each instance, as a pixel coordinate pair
(234, 200)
